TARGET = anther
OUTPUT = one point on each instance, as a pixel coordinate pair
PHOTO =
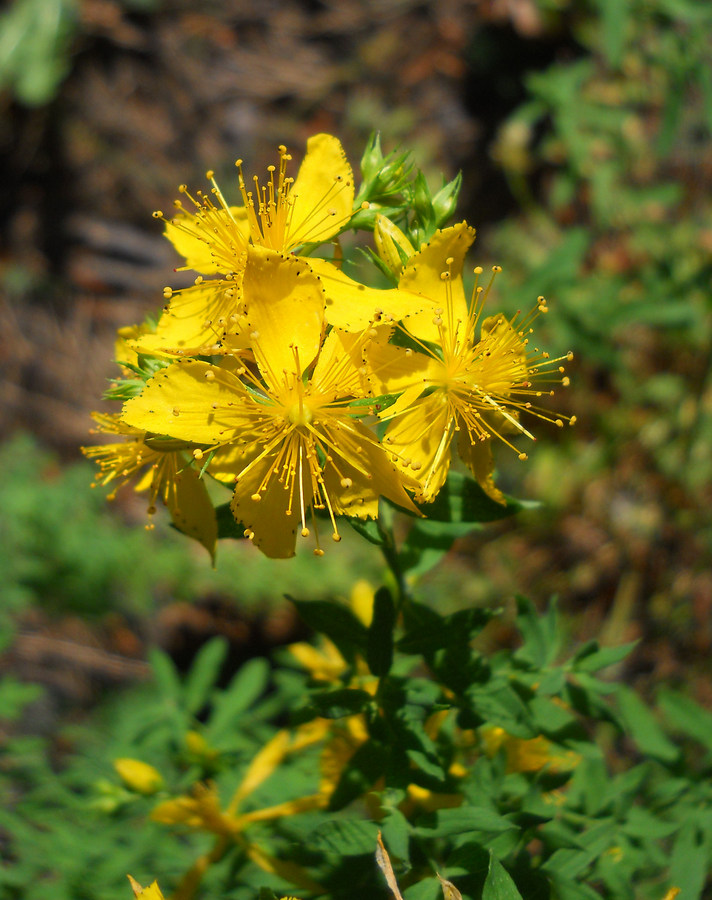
(346, 483)
(256, 498)
(318, 551)
(305, 530)
(176, 411)
(198, 453)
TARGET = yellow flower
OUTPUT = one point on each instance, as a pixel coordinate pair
(201, 811)
(323, 664)
(215, 239)
(160, 468)
(139, 776)
(283, 430)
(468, 379)
(153, 892)
(528, 755)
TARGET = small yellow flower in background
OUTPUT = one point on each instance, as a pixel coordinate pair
(201, 810)
(162, 469)
(199, 749)
(284, 433)
(153, 892)
(218, 240)
(139, 776)
(362, 596)
(324, 663)
(527, 755)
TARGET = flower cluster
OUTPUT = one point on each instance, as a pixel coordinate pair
(309, 394)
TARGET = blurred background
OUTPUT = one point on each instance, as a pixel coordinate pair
(583, 132)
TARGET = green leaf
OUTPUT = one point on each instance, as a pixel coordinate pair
(245, 687)
(497, 703)
(549, 717)
(345, 837)
(541, 633)
(396, 834)
(227, 526)
(337, 622)
(364, 768)
(204, 673)
(379, 653)
(685, 715)
(644, 728)
(644, 824)
(592, 658)
(461, 500)
(166, 674)
(428, 541)
(368, 529)
(615, 15)
(462, 820)
(15, 696)
(690, 861)
(499, 884)
(427, 632)
(425, 889)
(334, 704)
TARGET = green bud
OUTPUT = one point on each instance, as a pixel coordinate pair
(445, 201)
(372, 159)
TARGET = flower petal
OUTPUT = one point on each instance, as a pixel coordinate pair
(422, 274)
(323, 193)
(193, 401)
(285, 311)
(362, 473)
(421, 439)
(192, 511)
(353, 306)
(338, 368)
(195, 320)
(269, 520)
(477, 455)
(393, 369)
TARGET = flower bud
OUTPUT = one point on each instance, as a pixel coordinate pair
(392, 245)
(139, 776)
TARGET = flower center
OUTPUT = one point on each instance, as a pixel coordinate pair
(299, 414)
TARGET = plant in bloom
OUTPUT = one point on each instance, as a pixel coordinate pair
(312, 395)
(282, 430)
(217, 240)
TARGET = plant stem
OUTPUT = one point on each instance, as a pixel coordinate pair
(390, 554)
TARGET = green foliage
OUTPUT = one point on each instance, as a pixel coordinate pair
(617, 235)
(100, 564)
(460, 760)
(35, 37)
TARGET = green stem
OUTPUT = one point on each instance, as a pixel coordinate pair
(390, 554)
